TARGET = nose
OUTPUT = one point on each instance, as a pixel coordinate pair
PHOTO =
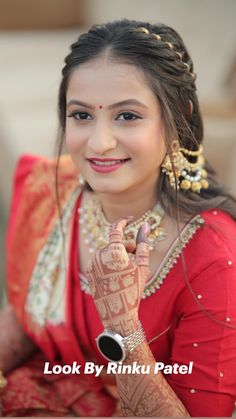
(101, 139)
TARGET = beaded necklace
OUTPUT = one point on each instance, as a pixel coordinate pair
(95, 227)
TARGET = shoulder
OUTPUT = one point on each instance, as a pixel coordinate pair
(214, 243)
(210, 259)
(219, 231)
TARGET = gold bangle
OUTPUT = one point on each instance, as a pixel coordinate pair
(3, 381)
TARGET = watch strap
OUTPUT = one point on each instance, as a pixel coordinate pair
(135, 339)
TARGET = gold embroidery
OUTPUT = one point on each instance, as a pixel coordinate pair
(34, 219)
(172, 257)
(46, 299)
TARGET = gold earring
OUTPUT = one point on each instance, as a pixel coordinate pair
(189, 176)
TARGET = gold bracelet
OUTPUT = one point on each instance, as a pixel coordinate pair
(3, 381)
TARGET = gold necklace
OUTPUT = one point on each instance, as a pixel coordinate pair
(95, 227)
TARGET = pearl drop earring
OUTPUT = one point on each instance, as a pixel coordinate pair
(81, 180)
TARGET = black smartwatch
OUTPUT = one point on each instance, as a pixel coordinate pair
(115, 347)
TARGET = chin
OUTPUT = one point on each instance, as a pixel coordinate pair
(109, 187)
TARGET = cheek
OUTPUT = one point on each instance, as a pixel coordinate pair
(148, 141)
(150, 149)
(157, 147)
(73, 138)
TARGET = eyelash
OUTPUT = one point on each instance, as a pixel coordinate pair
(75, 113)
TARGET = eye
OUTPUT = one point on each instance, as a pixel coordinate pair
(80, 116)
(128, 116)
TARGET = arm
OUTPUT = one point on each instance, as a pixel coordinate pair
(15, 345)
(116, 285)
(147, 394)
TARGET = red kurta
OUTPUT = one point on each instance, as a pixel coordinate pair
(182, 323)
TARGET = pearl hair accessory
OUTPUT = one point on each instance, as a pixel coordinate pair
(171, 47)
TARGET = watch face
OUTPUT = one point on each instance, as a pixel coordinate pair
(110, 348)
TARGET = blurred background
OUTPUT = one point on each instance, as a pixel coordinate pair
(34, 39)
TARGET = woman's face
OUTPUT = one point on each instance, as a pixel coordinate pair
(113, 114)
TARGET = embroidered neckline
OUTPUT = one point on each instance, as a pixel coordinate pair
(169, 261)
(172, 256)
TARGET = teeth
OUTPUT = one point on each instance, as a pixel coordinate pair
(110, 163)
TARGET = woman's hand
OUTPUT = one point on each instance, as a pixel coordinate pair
(117, 281)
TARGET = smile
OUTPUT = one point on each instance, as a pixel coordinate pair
(106, 166)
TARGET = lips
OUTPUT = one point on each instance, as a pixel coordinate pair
(106, 165)
(107, 162)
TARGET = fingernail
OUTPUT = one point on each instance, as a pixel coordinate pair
(146, 227)
(142, 234)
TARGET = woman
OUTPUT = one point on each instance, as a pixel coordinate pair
(143, 246)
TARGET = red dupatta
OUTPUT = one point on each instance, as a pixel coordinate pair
(32, 217)
(39, 284)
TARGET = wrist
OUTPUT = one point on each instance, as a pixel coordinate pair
(125, 326)
(116, 347)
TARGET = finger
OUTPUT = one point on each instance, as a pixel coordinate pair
(142, 233)
(130, 246)
(142, 250)
(116, 230)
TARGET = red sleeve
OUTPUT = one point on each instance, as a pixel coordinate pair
(209, 342)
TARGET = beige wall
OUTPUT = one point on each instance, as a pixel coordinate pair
(43, 14)
(207, 27)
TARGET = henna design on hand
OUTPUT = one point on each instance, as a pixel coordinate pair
(117, 281)
(147, 395)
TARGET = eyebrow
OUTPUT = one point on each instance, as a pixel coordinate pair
(113, 106)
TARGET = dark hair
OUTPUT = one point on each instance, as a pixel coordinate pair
(170, 77)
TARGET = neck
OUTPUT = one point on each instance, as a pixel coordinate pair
(132, 202)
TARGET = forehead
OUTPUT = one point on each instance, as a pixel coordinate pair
(102, 78)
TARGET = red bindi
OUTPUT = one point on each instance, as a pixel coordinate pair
(100, 106)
